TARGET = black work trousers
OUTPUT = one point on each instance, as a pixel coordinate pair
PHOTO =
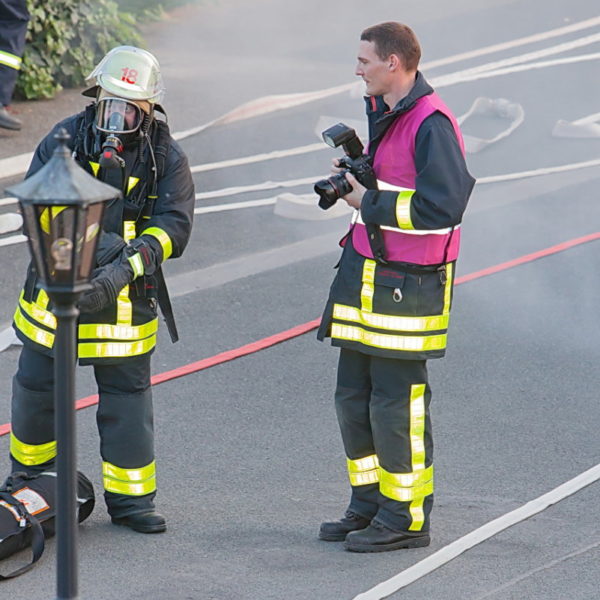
(382, 406)
(13, 29)
(124, 418)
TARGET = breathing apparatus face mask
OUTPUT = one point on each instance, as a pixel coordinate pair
(119, 121)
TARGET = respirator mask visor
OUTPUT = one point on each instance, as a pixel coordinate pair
(118, 116)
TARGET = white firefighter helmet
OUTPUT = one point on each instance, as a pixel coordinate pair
(128, 72)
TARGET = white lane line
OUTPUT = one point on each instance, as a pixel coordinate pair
(539, 172)
(458, 547)
(533, 572)
(234, 206)
(265, 185)
(530, 39)
(518, 69)
(245, 160)
(7, 201)
(459, 76)
(15, 165)
(14, 239)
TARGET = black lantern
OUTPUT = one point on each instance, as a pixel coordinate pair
(62, 207)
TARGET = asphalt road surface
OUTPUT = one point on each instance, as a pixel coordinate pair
(249, 455)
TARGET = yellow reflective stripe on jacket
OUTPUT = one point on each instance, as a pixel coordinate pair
(116, 349)
(363, 471)
(104, 331)
(368, 289)
(33, 332)
(390, 322)
(132, 482)
(403, 210)
(124, 305)
(95, 168)
(10, 60)
(405, 343)
(47, 215)
(417, 449)
(163, 237)
(406, 487)
(131, 183)
(31, 454)
(40, 315)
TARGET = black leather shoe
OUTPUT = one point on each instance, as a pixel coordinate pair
(145, 522)
(336, 531)
(8, 121)
(379, 538)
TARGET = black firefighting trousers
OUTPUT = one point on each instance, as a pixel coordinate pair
(13, 28)
(382, 406)
(124, 419)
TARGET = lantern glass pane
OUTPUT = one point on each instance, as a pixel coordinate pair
(87, 236)
(32, 231)
(58, 223)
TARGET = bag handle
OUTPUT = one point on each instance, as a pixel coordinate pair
(37, 534)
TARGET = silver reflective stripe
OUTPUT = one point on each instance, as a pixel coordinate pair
(385, 186)
(356, 218)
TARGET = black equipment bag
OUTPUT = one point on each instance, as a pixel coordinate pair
(27, 511)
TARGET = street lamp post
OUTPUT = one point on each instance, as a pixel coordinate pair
(62, 207)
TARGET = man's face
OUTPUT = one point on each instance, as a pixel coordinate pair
(128, 111)
(374, 71)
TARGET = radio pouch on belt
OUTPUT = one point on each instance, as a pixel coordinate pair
(27, 511)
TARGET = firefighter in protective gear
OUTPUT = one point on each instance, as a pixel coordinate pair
(119, 139)
(13, 29)
(389, 304)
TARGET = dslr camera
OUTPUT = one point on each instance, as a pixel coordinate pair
(355, 162)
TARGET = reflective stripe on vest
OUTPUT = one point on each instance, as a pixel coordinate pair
(131, 482)
(357, 219)
(31, 454)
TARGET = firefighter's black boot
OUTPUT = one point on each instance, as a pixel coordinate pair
(144, 522)
(8, 121)
(379, 538)
(336, 531)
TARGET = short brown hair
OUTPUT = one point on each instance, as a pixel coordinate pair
(394, 38)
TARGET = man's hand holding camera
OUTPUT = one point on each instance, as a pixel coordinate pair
(354, 198)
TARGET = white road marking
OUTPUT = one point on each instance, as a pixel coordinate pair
(545, 567)
(530, 39)
(458, 547)
(460, 76)
(14, 239)
(518, 69)
(245, 160)
(234, 205)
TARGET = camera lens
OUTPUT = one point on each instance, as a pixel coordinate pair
(330, 190)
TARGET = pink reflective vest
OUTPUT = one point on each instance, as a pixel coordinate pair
(394, 166)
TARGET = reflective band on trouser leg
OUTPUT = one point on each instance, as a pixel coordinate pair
(406, 487)
(363, 471)
(368, 289)
(10, 60)
(130, 482)
(163, 237)
(417, 448)
(31, 454)
(403, 210)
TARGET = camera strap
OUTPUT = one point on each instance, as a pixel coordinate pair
(376, 242)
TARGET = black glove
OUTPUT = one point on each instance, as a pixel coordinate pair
(107, 282)
(110, 245)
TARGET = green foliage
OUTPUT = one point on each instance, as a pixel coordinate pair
(65, 39)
